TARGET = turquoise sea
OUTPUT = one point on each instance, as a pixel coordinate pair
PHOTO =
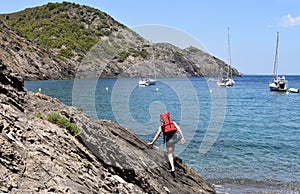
(243, 139)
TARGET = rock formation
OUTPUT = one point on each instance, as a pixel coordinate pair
(67, 40)
(31, 61)
(37, 156)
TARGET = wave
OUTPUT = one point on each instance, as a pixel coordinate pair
(237, 186)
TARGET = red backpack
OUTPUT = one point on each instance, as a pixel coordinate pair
(167, 124)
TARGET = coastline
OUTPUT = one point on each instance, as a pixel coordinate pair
(234, 141)
(39, 156)
(234, 186)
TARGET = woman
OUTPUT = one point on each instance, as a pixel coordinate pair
(170, 130)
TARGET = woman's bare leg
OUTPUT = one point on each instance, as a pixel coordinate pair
(170, 151)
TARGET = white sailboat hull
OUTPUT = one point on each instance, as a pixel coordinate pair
(226, 82)
(279, 84)
(147, 82)
(151, 81)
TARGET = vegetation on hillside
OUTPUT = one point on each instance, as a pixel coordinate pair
(62, 122)
(79, 38)
(68, 28)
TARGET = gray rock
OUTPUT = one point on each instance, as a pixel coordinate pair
(37, 156)
(122, 53)
(30, 61)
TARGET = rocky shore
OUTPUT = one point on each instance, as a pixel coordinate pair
(37, 156)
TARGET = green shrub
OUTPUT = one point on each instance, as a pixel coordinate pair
(143, 53)
(38, 115)
(53, 117)
(63, 122)
(51, 6)
(120, 36)
(123, 55)
(65, 53)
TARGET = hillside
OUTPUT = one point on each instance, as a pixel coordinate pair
(64, 40)
(39, 156)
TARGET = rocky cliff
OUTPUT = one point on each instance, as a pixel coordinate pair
(37, 156)
(31, 61)
(64, 40)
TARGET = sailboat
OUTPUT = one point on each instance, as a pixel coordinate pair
(227, 81)
(149, 81)
(279, 84)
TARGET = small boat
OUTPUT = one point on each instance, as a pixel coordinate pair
(147, 81)
(279, 84)
(227, 81)
(293, 90)
(143, 82)
(151, 81)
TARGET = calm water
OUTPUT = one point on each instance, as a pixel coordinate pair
(243, 139)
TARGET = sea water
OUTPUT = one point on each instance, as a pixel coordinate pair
(242, 139)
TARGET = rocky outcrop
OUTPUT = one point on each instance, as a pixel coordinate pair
(29, 60)
(37, 156)
(167, 61)
(69, 40)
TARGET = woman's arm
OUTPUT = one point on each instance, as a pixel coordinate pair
(180, 131)
(156, 136)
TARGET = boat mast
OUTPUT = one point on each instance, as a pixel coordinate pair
(153, 62)
(275, 71)
(229, 55)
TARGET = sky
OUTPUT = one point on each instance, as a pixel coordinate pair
(253, 26)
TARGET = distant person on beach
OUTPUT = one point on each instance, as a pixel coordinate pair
(172, 134)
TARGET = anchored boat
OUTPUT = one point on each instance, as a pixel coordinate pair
(279, 84)
(227, 81)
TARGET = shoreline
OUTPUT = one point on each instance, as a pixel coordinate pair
(235, 186)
